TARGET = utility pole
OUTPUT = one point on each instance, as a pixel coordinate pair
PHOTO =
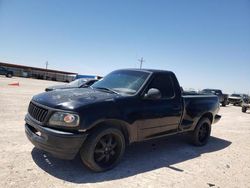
(47, 64)
(46, 74)
(141, 61)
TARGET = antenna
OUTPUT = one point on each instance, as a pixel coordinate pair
(141, 61)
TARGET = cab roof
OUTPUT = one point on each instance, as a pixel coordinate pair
(147, 70)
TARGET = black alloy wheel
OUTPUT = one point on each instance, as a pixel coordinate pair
(103, 149)
(107, 150)
(201, 134)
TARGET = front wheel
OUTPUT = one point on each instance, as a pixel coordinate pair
(9, 75)
(201, 134)
(103, 149)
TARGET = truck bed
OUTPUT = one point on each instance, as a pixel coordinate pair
(196, 106)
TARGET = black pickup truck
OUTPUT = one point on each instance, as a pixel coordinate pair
(126, 106)
(223, 98)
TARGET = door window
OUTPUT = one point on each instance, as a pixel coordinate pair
(164, 83)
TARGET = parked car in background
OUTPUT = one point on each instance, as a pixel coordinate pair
(126, 106)
(8, 73)
(223, 98)
(81, 82)
(237, 99)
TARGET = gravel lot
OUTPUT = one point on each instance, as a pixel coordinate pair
(172, 162)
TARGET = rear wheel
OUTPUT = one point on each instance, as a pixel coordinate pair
(201, 134)
(244, 109)
(225, 102)
(103, 149)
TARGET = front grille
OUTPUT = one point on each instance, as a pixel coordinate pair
(37, 112)
(234, 100)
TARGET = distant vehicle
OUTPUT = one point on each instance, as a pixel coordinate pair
(82, 82)
(189, 92)
(223, 98)
(245, 107)
(126, 106)
(245, 104)
(6, 72)
(237, 99)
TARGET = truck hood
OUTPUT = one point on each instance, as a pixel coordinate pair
(71, 99)
(63, 86)
(232, 97)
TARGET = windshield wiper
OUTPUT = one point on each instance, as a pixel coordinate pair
(107, 89)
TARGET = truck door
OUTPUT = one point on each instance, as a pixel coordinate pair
(161, 116)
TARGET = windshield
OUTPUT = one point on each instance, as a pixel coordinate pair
(211, 91)
(236, 95)
(124, 81)
(207, 91)
(77, 83)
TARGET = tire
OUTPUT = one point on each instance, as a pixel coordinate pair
(103, 149)
(224, 103)
(9, 75)
(244, 109)
(201, 134)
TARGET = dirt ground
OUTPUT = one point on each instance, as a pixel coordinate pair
(172, 162)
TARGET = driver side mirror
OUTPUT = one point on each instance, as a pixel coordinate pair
(153, 94)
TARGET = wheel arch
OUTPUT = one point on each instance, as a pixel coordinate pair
(123, 126)
(208, 115)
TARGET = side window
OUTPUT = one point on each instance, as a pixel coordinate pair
(163, 82)
(219, 92)
(216, 92)
(91, 82)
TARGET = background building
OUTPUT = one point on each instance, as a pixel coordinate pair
(39, 73)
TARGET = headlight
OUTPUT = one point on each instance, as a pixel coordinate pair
(64, 119)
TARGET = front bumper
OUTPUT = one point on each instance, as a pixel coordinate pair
(234, 101)
(61, 144)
